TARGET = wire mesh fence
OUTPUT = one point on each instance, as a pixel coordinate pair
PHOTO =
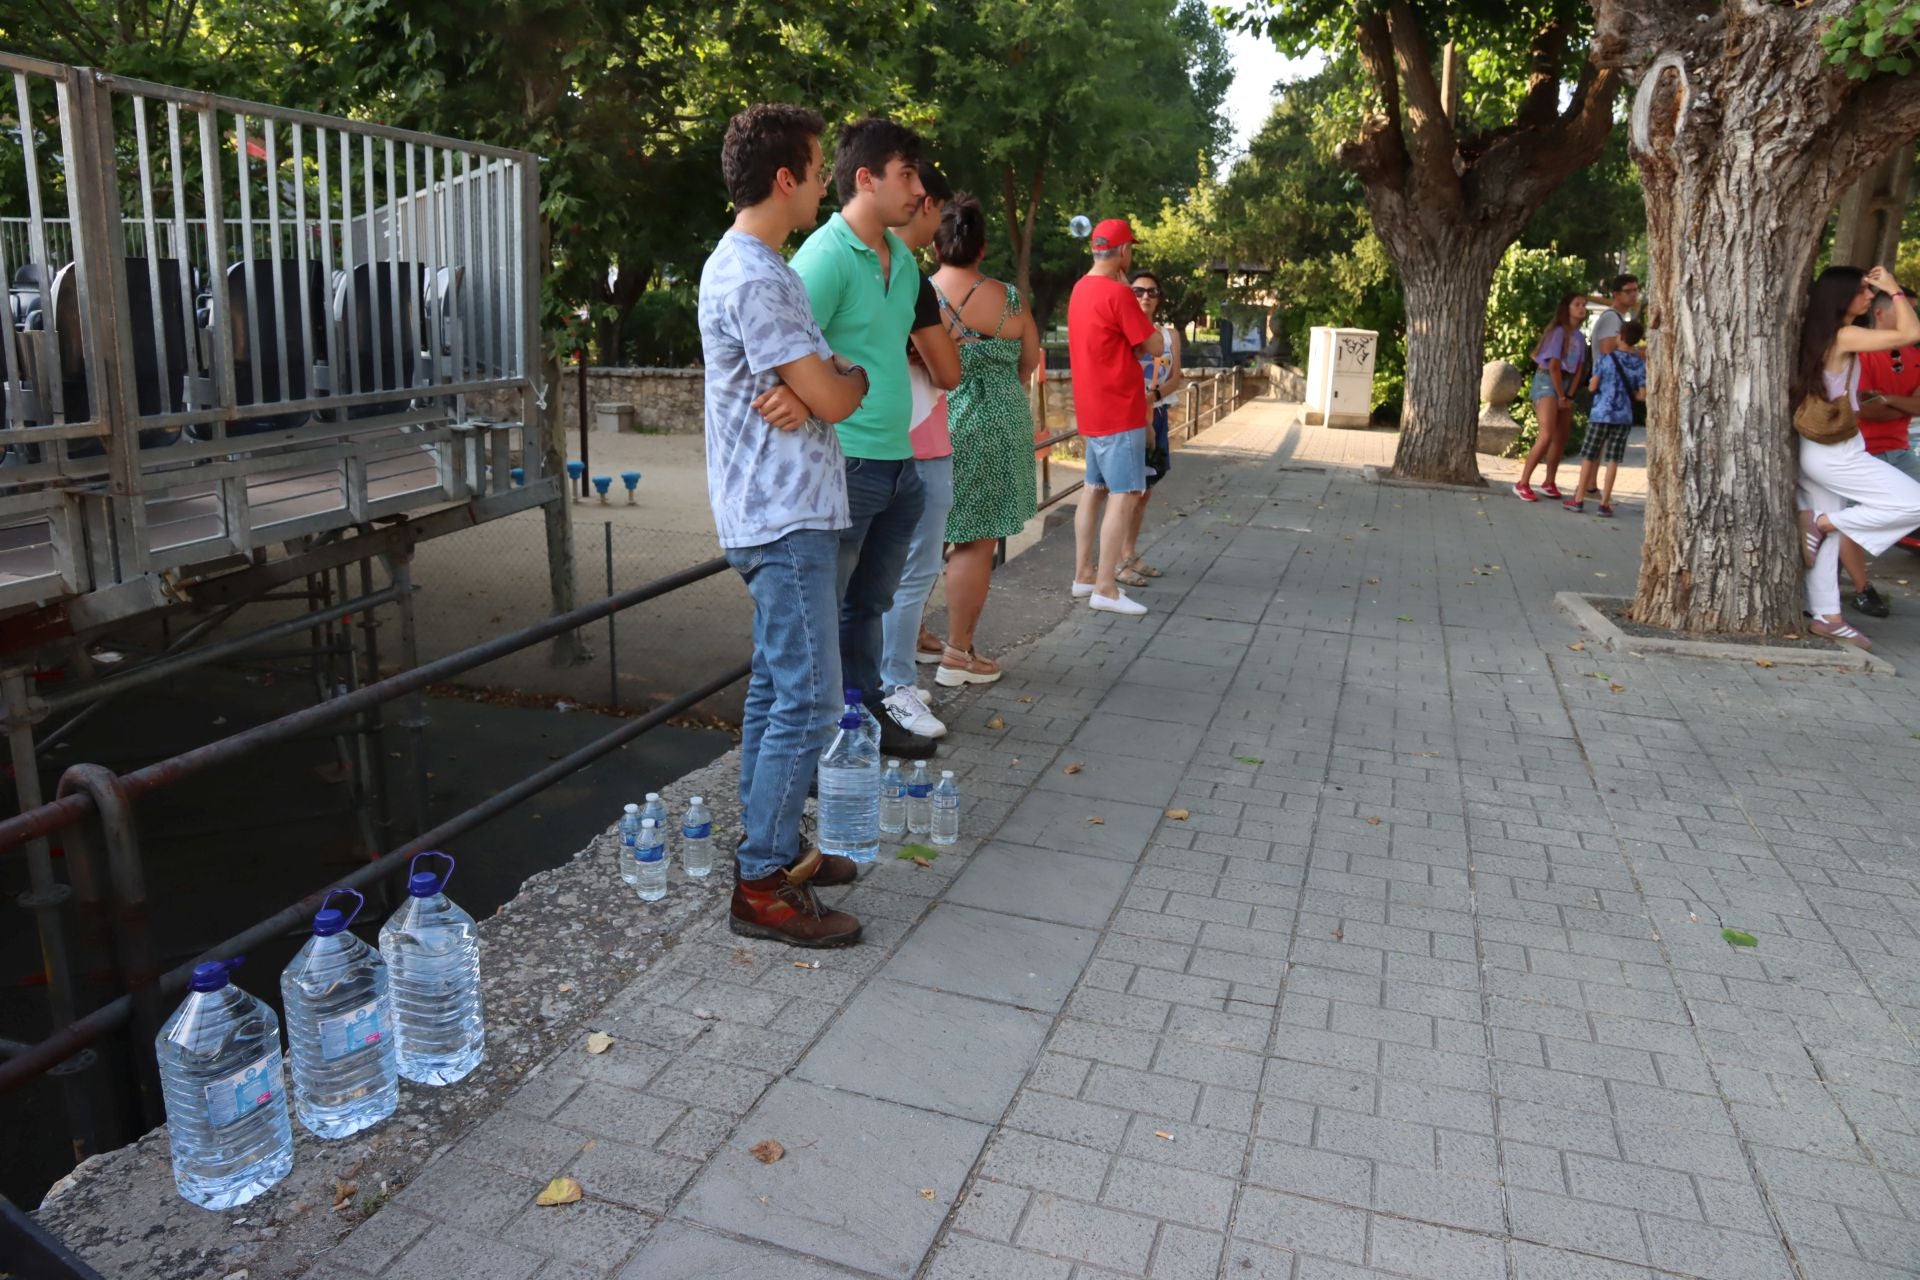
(495, 577)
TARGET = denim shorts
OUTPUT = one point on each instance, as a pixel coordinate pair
(1118, 463)
(1542, 388)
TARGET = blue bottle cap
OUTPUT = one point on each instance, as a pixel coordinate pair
(330, 920)
(213, 975)
(424, 884)
(851, 720)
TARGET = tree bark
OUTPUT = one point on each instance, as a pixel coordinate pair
(1446, 277)
(1745, 138)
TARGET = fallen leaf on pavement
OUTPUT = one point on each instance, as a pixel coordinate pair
(1373, 582)
(1740, 938)
(1179, 815)
(915, 853)
(766, 1151)
(1578, 646)
(1406, 617)
(1073, 768)
(919, 861)
(998, 722)
(1249, 759)
(1616, 688)
(926, 1193)
(559, 1191)
(1763, 662)
(1373, 822)
(1026, 697)
(599, 1042)
(1097, 822)
(343, 1193)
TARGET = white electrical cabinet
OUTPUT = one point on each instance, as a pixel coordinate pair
(1340, 377)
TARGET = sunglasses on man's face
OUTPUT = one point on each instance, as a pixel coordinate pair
(1142, 292)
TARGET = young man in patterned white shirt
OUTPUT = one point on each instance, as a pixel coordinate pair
(777, 484)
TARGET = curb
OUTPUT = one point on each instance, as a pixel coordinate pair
(1579, 607)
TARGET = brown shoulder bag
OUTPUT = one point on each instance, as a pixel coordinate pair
(1825, 421)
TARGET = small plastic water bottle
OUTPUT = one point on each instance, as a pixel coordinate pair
(868, 723)
(893, 800)
(221, 1074)
(339, 1027)
(946, 810)
(654, 808)
(696, 839)
(650, 862)
(432, 950)
(629, 836)
(849, 778)
(919, 800)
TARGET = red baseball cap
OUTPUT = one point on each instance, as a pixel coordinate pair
(1111, 234)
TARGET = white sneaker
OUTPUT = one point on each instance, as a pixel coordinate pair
(1081, 590)
(1122, 603)
(909, 708)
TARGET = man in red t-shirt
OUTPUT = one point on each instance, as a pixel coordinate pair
(1107, 333)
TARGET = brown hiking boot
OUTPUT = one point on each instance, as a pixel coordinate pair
(834, 869)
(782, 907)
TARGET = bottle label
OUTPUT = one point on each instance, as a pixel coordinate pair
(239, 1095)
(352, 1031)
(628, 839)
(649, 853)
(700, 832)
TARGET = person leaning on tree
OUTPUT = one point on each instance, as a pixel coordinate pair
(779, 497)
(1889, 381)
(1885, 502)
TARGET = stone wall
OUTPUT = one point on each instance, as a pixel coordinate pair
(673, 400)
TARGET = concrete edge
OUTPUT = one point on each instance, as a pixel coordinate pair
(1579, 607)
(1376, 475)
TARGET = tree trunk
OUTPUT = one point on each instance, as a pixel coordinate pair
(1445, 279)
(1745, 137)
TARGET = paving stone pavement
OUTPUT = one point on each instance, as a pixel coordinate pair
(1376, 934)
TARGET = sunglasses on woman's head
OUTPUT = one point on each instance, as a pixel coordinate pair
(1141, 292)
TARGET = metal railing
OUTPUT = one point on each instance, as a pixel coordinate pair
(364, 283)
(106, 899)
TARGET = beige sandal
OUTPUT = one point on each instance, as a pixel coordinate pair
(960, 667)
(1141, 567)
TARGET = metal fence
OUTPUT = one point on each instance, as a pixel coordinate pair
(170, 396)
(105, 899)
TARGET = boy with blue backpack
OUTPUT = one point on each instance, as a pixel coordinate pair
(1619, 379)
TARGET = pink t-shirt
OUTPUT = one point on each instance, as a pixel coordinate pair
(928, 435)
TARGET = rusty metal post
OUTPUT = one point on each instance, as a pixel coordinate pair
(44, 898)
(132, 925)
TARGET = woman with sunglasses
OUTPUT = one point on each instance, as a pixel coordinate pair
(1827, 368)
(1164, 384)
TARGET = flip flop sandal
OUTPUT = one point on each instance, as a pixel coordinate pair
(1811, 536)
(1128, 578)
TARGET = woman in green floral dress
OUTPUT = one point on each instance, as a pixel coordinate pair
(991, 425)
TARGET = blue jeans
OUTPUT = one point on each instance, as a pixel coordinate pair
(884, 499)
(795, 689)
(901, 626)
(1905, 459)
(1118, 463)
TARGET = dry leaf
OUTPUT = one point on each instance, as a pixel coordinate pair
(559, 1191)
(1179, 815)
(1616, 688)
(766, 1151)
(806, 964)
(564, 988)
(998, 722)
(599, 1042)
(1162, 1133)
(343, 1193)
(1026, 697)
(919, 861)
(1373, 582)
(1579, 646)
(1097, 822)
(926, 1193)
(1763, 662)
(1073, 768)
(1373, 822)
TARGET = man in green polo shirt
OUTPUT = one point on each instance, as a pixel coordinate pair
(863, 283)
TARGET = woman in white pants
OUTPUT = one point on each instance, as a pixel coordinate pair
(1831, 475)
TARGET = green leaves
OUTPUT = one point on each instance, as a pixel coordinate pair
(1875, 37)
(1738, 938)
